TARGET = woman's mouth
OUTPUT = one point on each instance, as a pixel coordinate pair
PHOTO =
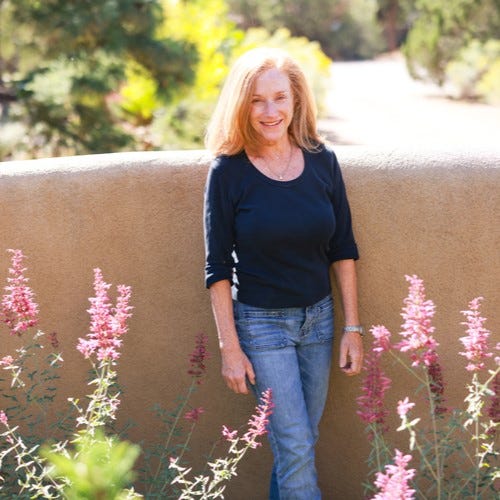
(271, 124)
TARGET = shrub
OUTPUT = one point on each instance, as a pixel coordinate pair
(87, 461)
(454, 452)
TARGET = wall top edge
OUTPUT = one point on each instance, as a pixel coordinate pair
(370, 157)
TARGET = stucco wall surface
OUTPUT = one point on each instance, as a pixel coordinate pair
(138, 217)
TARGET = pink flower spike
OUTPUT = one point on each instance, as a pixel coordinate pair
(257, 425)
(194, 414)
(375, 384)
(417, 328)
(382, 338)
(18, 308)
(3, 418)
(7, 361)
(107, 323)
(404, 407)
(476, 340)
(228, 434)
(393, 484)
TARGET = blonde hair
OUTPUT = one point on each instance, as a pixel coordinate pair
(229, 130)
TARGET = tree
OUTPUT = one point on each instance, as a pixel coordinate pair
(345, 29)
(443, 28)
(61, 63)
(395, 18)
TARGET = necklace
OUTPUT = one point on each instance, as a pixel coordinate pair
(281, 175)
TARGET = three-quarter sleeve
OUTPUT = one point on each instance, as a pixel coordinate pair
(342, 244)
(218, 228)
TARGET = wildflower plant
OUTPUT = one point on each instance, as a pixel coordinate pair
(87, 462)
(213, 484)
(444, 436)
(173, 439)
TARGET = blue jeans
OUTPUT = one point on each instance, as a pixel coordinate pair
(290, 350)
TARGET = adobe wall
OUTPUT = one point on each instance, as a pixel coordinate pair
(137, 216)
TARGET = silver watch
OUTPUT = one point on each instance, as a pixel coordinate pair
(354, 328)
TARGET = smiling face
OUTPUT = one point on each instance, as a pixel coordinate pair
(271, 108)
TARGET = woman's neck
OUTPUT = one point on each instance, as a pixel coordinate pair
(275, 151)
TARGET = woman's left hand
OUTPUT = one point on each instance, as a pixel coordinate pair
(351, 353)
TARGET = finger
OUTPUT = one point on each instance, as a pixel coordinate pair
(357, 364)
(237, 384)
(250, 373)
(343, 358)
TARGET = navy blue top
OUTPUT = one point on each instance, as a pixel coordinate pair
(275, 240)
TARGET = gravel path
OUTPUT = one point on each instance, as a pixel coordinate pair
(378, 103)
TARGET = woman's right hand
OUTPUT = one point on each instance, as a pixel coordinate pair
(236, 370)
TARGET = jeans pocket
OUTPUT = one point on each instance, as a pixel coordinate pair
(323, 323)
(260, 328)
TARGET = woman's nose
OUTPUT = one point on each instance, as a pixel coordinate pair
(270, 108)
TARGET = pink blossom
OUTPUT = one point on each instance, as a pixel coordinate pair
(476, 341)
(375, 385)
(382, 338)
(258, 422)
(7, 361)
(3, 418)
(417, 328)
(228, 434)
(108, 323)
(436, 385)
(194, 414)
(198, 357)
(404, 407)
(393, 484)
(18, 308)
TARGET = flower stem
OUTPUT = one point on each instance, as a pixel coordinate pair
(180, 411)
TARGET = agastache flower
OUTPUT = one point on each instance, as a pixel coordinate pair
(108, 323)
(476, 341)
(18, 308)
(3, 418)
(194, 414)
(381, 338)
(404, 407)
(228, 434)
(7, 361)
(436, 385)
(394, 483)
(375, 385)
(417, 328)
(257, 425)
(198, 357)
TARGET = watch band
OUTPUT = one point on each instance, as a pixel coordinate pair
(354, 328)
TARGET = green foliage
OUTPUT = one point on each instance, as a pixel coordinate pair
(28, 393)
(489, 85)
(443, 28)
(474, 73)
(346, 30)
(204, 24)
(65, 61)
(100, 467)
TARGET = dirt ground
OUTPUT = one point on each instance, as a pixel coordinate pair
(378, 103)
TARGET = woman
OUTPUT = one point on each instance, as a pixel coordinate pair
(276, 219)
